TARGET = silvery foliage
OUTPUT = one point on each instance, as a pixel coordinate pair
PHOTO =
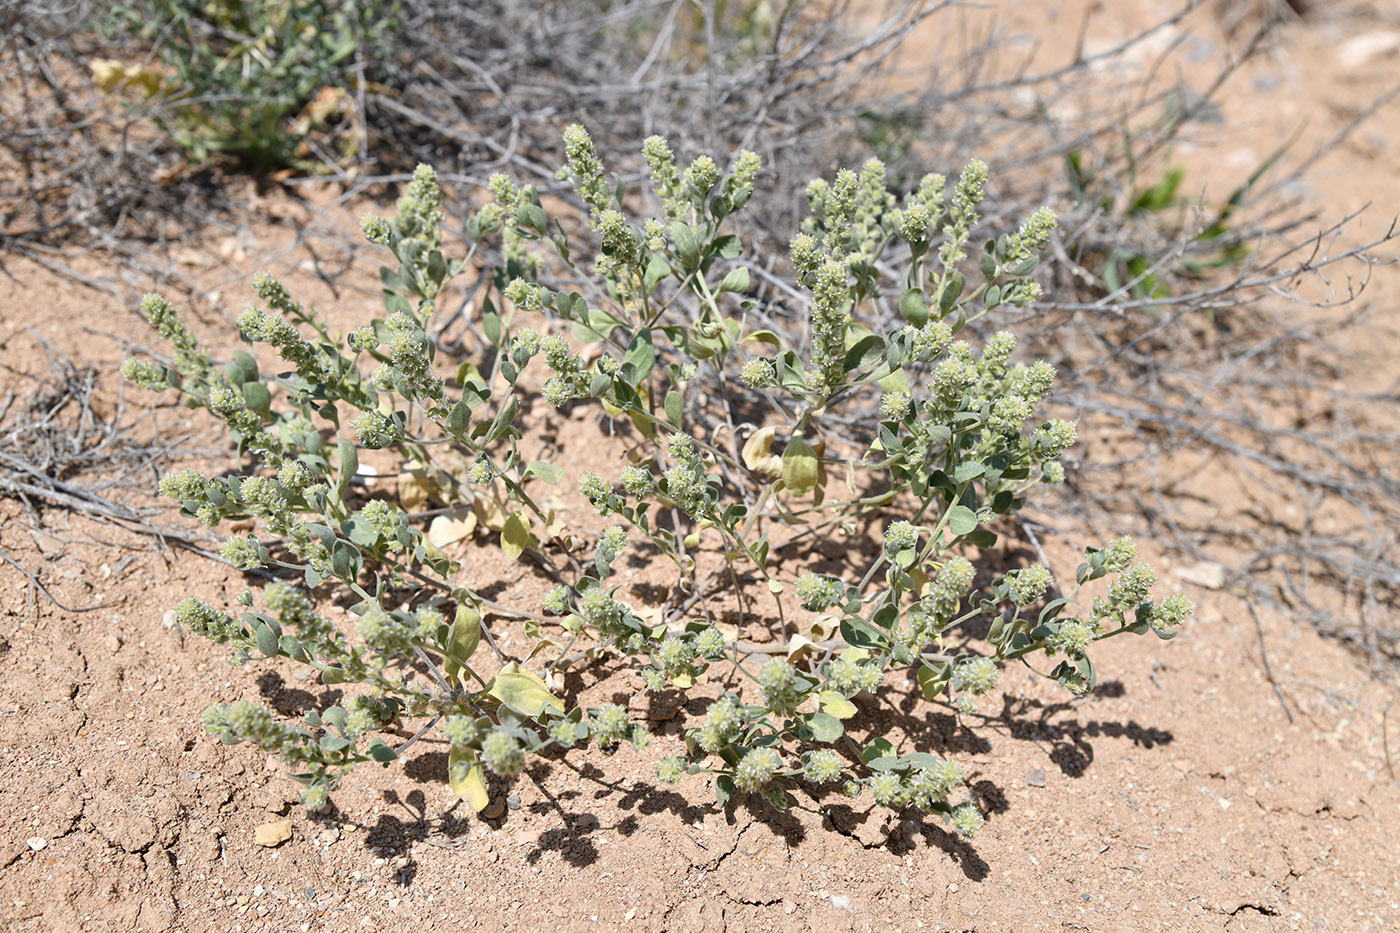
(957, 445)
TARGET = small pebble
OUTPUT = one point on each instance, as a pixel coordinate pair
(840, 902)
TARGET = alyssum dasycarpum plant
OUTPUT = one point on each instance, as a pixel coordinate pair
(955, 444)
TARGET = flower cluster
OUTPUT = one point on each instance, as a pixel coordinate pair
(818, 591)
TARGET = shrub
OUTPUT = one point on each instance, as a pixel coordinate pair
(938, 440)
(261, 83)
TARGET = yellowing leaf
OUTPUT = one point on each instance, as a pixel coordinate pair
(933, 682)
(522, 691)
(466, 777)
(515, 535)
(836, 705)
(110, 75)
(799, 467)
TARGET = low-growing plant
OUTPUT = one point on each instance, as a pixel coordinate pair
(934, 439)
(256, 82)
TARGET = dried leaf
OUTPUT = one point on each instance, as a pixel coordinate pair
(453, 527)
(758, 453)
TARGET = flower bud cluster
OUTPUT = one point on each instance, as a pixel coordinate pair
(599, 609)
(675, 655)
(723, 720)
(684, 483)
(311, 360)
(1119, 554)
(1031, 238)
(385, 632)
(501, 753)
(243, 721)
(700, 176)
(900, 536)
(612, 543)
(873, 201)
(822, 767)
(365, 714)
(146, 375)
(610, 724)
(759, 373)
(975, 675)
(806, 257)
(925, 787)
(569, 380)
(637, 482)
(228, 404)
(184, 486)
(669, 770)
(665, 177)
(738, 187)
(294, 611)
(895, 406)
(420, 209)
(967, 196)
(242, 553)
(1074, 636)
(1053, 438)
(1129, 591)
(190, 360)
(778, 681)
(557, 600)
(376, 430)
(949, 380)
(564, 733)
(1029, 584)
(756, 769)
(709, 643)
(524, 295)
(951, 582)
(585, 170)
(385, 519)
(1171, 613)
(818, 591)
(967, 819)
(620, 242)
(849, 677)
(203, 619)
(930, 340)
(831, 315)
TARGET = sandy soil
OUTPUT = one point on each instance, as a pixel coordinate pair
(1243, 780)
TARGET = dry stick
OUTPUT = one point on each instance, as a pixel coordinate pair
(1385, 740)
(45, 590)
(1264, 656)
